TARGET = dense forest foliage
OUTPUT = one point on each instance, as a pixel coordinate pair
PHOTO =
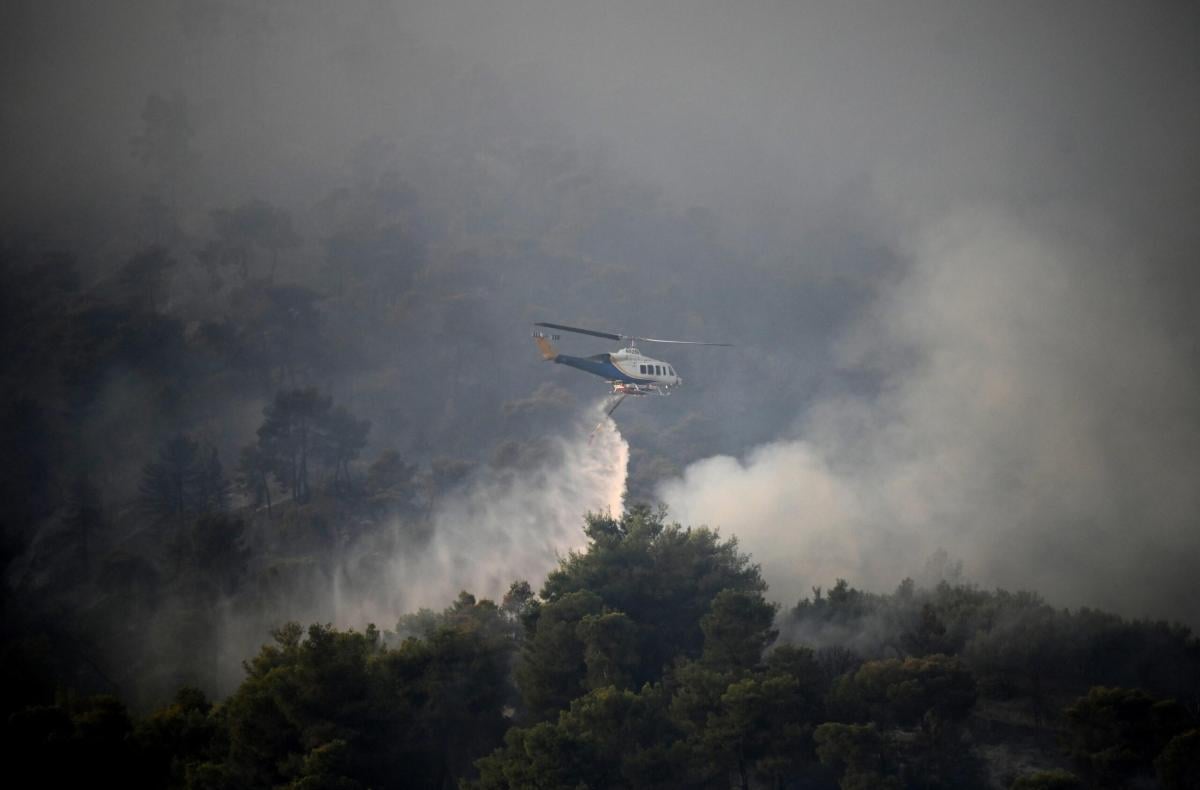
(652, 659)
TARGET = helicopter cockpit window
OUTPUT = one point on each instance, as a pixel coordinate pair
(643, 369)
(671, 370)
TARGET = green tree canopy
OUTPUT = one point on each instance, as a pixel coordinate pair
(1114, 734)
(329, 708)
(737, 629)
(290, 435)
(901, 692)
(608, 738)
(859, 753)
(1178, 765)
(662, 577)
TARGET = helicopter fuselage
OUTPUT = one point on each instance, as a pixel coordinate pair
(628, 370)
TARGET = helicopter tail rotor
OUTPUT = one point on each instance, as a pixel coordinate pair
(549, 352)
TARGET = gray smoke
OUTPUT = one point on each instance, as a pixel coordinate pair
(1035, 416)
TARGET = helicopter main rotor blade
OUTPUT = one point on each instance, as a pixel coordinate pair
(680, 342)
(577, 330)
(616, 336)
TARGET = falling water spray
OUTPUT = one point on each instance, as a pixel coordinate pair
(503, 525)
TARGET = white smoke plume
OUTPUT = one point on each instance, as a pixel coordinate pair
(501, 526)
(1034, 417)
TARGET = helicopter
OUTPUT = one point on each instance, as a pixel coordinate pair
(628, 371)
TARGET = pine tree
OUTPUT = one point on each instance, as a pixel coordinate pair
(168, 487)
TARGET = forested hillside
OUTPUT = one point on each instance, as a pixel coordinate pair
(652, 659)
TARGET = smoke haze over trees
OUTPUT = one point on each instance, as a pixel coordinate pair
(941, 237)
(267, 271)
